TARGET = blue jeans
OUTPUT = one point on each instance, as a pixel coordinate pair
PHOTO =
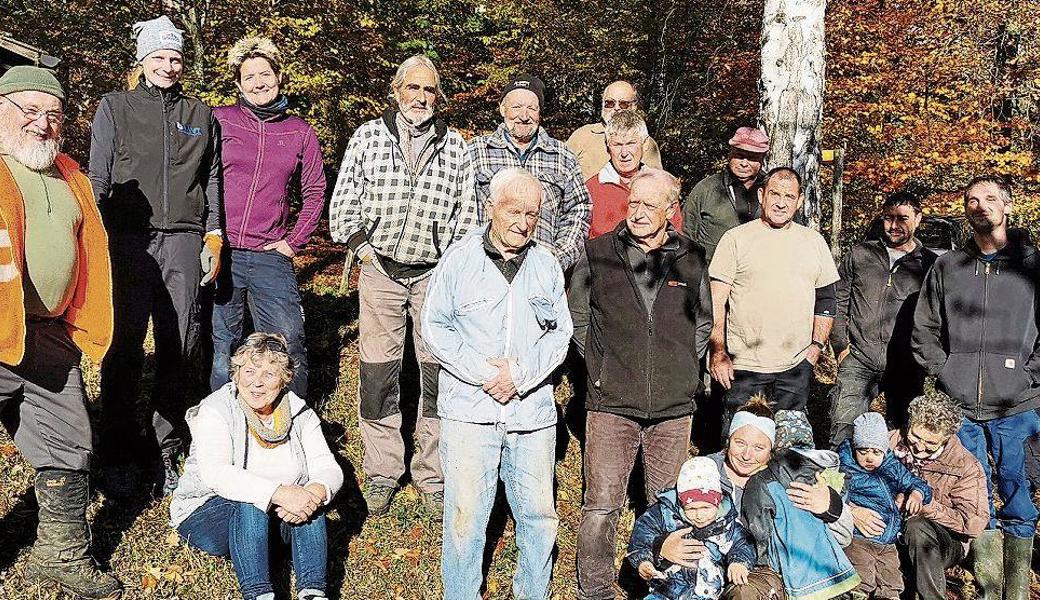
(242, 531)
(1006, 439)
(474, 457)
(267, 282)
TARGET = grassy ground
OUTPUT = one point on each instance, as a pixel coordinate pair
(393, 556)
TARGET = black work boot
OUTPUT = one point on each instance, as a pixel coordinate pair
(61, 553)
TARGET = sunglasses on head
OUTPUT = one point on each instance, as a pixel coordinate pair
(267, 343)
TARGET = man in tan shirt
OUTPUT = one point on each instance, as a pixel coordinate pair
(772, 287)
(588, 142)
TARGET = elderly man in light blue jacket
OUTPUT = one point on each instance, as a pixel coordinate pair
(496, 318)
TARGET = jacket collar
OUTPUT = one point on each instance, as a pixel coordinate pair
(623, 238)
(728, 179)
(1019, 247)
(499, 139)
(169, 96)
(440, 128)
(881, 250)
(608, 174)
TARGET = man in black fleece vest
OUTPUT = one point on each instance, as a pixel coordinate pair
(640, 296)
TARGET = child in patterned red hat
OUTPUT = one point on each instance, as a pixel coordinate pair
(697, 504)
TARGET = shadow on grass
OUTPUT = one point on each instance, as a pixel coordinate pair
(18, 528)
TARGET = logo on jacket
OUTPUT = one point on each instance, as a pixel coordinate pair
(189, 130)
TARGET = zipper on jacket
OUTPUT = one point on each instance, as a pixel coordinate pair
(245, 449)
(394, 149)
(982, 340)
(252, 187)
(166, 161)
(649, 358)
(509, 337)
(884, 303)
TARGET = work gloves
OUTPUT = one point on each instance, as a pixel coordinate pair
(210, 257)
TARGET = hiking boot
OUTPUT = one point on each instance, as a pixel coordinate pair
(61, 552)
(1018, 557)
(168, 473)
(988, 565)
(434, 503)
(377, 498)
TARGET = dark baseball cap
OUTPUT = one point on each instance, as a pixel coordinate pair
(529, 83)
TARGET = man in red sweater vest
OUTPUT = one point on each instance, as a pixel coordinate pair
(625, 134)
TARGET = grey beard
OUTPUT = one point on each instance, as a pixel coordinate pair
(38, 156)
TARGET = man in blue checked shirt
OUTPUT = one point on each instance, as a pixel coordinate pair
(519, 141)
(496, 319)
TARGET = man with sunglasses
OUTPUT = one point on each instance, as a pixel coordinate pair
(56, 294)
(589, 143)
(726, 199)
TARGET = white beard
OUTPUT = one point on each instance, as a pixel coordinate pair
(417, 117)
(38, 156)
(24, 148)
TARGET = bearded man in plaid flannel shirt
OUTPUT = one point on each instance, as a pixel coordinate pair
(404, 194)
(563, 223)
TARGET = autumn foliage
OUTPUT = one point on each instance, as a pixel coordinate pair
(923, 94)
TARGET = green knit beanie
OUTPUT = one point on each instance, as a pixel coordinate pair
(24, 78)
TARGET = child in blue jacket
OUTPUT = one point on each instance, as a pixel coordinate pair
(878, 481)
(696, 503)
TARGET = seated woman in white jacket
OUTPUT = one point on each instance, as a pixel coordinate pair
(258, 466)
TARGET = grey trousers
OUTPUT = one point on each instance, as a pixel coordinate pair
(43, 403)
(386, 305)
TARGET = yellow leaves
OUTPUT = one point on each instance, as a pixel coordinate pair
(153, 576)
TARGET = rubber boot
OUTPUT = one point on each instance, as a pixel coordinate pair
(61, 552)
(988, 565)
(1018, 558)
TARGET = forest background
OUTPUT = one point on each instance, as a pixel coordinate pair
(921, 94)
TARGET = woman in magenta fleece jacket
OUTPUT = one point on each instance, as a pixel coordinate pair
(265, 153)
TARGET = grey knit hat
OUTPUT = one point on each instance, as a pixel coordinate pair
(158, 34)
(24, 78)
(869, 431)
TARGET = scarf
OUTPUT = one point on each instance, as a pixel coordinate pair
(911, 462)
(270, 111)
(416, 141)
(278, 433)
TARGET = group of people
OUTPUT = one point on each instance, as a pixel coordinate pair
(502, 252)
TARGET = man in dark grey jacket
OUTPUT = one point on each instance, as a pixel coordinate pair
(728, 198)
(877, 294)
(641, 304)
(975, 327)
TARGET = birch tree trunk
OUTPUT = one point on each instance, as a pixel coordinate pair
(792, 91)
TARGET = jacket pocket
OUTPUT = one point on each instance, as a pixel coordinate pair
(544, 312)
(959, 375)
(472, 306)
(1004, 380)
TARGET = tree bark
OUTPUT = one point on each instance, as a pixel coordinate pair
(792, 91)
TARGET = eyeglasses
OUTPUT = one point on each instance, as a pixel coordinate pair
(53, 116)
(622, 104)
